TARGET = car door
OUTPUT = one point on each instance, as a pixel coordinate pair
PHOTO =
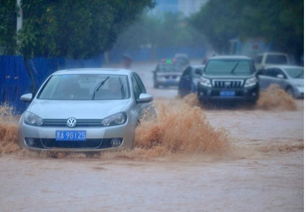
(185, 84)
(269, 77)
(281, 78)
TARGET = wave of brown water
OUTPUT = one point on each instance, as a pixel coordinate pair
(275, 98)
(179, 128)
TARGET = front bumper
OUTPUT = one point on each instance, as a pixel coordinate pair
(240, 94)
(97, 138)
(167, 82)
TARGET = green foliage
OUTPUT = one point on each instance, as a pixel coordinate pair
(168, 30)
(278, 22)
(73, 28)
(8, 26)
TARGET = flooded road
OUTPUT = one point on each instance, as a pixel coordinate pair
(263, 171)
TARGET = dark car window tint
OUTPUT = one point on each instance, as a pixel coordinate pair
(278, 71)
(140, 83)
(136, 88)
(229, 66)
(276, 59)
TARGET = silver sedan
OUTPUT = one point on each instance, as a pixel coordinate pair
(84, 110)
(290, 78)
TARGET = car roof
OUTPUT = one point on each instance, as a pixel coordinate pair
(229, 57)
(283, 66)
(112, 71)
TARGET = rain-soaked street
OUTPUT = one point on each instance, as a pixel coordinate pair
(262, 172)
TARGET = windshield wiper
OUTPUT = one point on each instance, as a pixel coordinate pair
(98, 87)
(234, 68)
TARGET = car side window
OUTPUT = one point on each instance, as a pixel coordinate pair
(279, 72)
(270, 72)
(136, 88)
(140, 83)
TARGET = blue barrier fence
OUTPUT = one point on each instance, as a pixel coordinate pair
(15, 80)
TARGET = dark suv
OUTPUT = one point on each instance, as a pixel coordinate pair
(229, 78)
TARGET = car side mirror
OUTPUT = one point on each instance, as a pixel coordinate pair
(144, 97)
(26, 97)
(280, 76)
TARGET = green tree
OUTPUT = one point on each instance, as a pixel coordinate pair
(76, 29)
(167, 30)
(280, 23)
(8, 26)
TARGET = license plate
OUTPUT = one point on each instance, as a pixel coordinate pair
(69, 135)
(227, 93)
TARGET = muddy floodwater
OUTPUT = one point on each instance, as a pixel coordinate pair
(260, 167)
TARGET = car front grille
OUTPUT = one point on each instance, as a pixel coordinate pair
(227, 83)
(80, 123)
(49, 143)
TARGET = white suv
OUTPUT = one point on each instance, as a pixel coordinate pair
(270, 58)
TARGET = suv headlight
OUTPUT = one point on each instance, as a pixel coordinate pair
(205, 82)
(250, 82)
(116, 119)
(32, 119)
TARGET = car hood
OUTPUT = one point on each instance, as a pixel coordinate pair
(228, 76)
(59, 109)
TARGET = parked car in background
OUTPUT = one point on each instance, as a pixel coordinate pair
(271, 58)
(189, 80)
(290, 78)
(167, 73)
(182, 60)
(229, 78)
(84, 110)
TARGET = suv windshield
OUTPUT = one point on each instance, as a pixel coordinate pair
(297, 73)
(229, 67)
(85, 87)
(276, 59)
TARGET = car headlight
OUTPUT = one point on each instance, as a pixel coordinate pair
(250, 82)
(32, 119)
(205, 82)
(116, 119)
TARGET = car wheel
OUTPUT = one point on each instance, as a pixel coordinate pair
(290, 92)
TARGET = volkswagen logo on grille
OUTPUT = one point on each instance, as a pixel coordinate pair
(71, 122)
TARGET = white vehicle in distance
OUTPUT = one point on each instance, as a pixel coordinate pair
(270, 58)
(84, 110)
(289, 78)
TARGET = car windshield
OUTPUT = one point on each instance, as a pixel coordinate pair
(276, 59)
(85, 87)
(183, 61)
(297, 73)
(173, 67)
(229, 67)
